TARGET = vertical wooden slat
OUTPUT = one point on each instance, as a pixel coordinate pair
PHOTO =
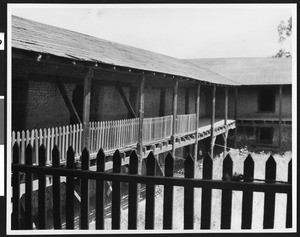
(289, 210)
(207, 169)
(213, 114)
(280, 117)
(269, 203)
(168, 194)
(116, 193)
(56, 190)
(15, 221)
(188, 221)
(226, 195)
(174, 108)
(70, 190)
(235, 115)
(132, 192)
(247, 202)
(100, 196)
(84, 210)
(150, 193)
(42, 189)
(28, 189)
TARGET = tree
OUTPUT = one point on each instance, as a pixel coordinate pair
(284, 32)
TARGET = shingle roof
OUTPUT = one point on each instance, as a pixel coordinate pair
(251, 71)
(33, 36)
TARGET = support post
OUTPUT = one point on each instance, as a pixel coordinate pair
(213, 114)
(235, 115)
(197, 123)
(225, 121)
(86, 108)
(187, 100)
(162, 103)
(141, 121)
(175, 94)
(280, 118)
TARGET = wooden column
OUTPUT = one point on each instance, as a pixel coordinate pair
(187, 100)
(280, 118)
(86, 109)
(141, 121)
(213, 114)
(197, 123)
(235, 115)
(175, 95)
(162, 105)
(225, 121)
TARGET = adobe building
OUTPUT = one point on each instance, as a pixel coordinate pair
(264, 105)
(61, 77)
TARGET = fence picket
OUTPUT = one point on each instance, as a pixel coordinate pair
(188, 194)
(247, 202)
(269, 203)
(226, 194)
(15, 221)
(207, 169)
(23, 145)
(168, 194)
(70, 190)
(28, 189)
(150, 193)
(100, 195)
(56, 189)
(116, 192)
(84, 211)
(132, 193)
(289, 211)
(42, 189)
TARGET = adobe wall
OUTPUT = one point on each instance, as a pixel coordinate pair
(38, 104)
(248, 102)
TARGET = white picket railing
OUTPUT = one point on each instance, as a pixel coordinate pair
(185, 123)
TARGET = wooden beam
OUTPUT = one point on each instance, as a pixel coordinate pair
(126, 101)
(197, 104)
(235, 115)
(175, 95)
(86, 108)
(225, 121)
(141, 122)
(212, 127)
(187, 100)
(162, 103)
(280, 118)
(66, 98)
(133, 99)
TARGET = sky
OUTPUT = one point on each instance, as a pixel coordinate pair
(181, 31)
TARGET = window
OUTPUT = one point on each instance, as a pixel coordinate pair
(266, 135)
(266, 100)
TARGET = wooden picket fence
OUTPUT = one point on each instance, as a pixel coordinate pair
(109, 135)
(230, 183)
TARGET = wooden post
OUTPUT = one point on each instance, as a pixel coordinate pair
(235, 115)
(280, 118)
(86, 108)
(162, 104)
(141, 121)
(197, 122)
(175, 93)
(187, 100)
(225, 121)
(213, 114)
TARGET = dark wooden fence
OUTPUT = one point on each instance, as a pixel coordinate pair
(230, 182)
